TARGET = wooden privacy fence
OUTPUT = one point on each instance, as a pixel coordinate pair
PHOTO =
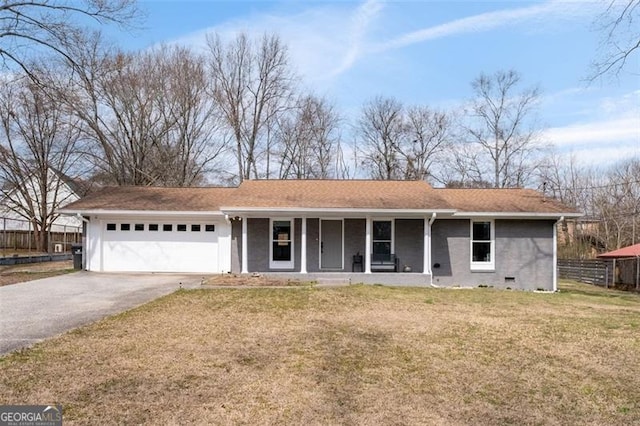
(18, 235)
(592, 271)
(25, 240)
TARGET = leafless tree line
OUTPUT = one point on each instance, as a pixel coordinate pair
(609, 199)
(170, 116)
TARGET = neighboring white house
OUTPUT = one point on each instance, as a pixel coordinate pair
(63, 190)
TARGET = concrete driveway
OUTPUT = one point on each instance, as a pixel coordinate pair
(35, 310)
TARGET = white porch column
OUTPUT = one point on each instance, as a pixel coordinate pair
(426, 262)
(303, 248)
(245, 249)
(367, 247)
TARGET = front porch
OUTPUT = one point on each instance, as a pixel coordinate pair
(370, 249)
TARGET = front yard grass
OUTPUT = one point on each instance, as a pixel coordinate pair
(14, 274)
(352, 355)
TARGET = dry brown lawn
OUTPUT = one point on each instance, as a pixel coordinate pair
(365, 355)
(14, 274)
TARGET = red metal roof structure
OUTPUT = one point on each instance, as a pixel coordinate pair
(630, 251)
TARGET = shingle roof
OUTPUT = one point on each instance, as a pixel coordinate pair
(515, 200)
(322, 194)
(357, 194)
(630, 251)
(153, 199)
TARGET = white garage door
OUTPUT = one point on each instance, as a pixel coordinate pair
(170, 246)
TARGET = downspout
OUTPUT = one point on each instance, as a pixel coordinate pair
(433, 219)
(555, 253)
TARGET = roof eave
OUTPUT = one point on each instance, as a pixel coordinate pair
(106, 212)
(519, 215)
(252, 211)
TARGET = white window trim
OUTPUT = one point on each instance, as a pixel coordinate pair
(282, 264)
(393, 232)
(483, 266)
(320, 244)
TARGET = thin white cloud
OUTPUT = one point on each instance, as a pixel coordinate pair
(323, 41)
(361, 20)
(326, 41)
(615, 132)
(487, 21)
(608, 129)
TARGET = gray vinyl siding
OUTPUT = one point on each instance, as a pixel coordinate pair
(409, 243)
(523, 251)
(354, 240)
(258, 244)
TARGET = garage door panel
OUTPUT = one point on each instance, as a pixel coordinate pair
(161, 251)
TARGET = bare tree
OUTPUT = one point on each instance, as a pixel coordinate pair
(147, 115)
(381, 129)
(427, 136)
(400, 142)
(37, 149)
(27, 28)
(620, 26)
(609, 199)
(308, 139)
(501, 129)
(252, 85)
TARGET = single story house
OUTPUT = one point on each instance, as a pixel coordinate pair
(393, 232)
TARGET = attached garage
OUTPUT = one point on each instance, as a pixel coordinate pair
(151, 229)
(158, 245)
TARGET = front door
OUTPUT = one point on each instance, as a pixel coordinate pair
(330, 244)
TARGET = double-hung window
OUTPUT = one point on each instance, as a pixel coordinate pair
(482, 245)
(382, 239)
(281, 247)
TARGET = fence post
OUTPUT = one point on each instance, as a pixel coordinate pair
(4, 236)
(580, 266)
(637, 272)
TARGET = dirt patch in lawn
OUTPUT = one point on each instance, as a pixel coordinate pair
(233, 280)
(13, 274)
(351, 355)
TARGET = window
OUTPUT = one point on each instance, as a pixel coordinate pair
(195, 228)
(209, 228)
(281, 244)
(181, 228)
(125, 227)
(153, 227)
(111, 226)
(382, 237)
(482, 245)
(138, 227)
(167, 227)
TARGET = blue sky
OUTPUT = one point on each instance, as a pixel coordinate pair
(428, 52)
